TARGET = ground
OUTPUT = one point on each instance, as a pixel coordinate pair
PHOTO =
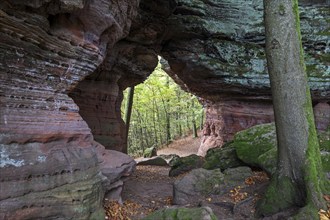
(150, 188)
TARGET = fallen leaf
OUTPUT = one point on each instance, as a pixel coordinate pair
(324, 215)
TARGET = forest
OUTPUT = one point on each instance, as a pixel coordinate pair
(161, 113)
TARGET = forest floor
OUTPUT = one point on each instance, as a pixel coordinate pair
(150, 188)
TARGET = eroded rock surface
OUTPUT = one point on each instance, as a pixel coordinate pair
(216, 50)
(201, 182)
(256, 146)
(64, 65)
(49, 163)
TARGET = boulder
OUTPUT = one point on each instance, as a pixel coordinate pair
(150, 152)
(115, 167)
(180, 165)
(256, 146)
(222, 157)
(202, 182)
(160, 160)
(155, 161)
(201, 213)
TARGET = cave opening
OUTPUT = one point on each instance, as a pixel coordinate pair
(161, 112)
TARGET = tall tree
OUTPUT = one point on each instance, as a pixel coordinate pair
(128, 110)
(159, 112)
(299, 181)
(194, 128)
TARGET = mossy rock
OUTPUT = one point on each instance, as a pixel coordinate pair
(324, 138)
(197, 183)
(154, 161)
(100, 214)
(222, 157)
(182, 214)
(257, 146)
(184, 164)
(201, 183)
(235, 175)
(150, 152)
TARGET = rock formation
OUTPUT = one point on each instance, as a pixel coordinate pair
(50, 164)
(216, 50)
(65, 63)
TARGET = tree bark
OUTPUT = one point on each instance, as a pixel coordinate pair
(128, 110)
(297, 182)
(195, 135)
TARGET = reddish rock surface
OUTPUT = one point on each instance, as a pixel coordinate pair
(322, 116)
(225, 118)
(49, 163)
(64, 65)
(99, 95)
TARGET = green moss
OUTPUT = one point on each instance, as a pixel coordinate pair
(185, 164)
(150, 152)
(324, 33)
(324, 139)
(97, 215)
(223, 158)
(296, 14)
(209, 185)
(256, 146)
(325, 58)
(281, 194)
(306, 213)
(314, 177)
(281, 9)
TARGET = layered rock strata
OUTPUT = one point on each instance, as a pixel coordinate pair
(50, 164)
(216, 50)
(99, 95)
(64, 65)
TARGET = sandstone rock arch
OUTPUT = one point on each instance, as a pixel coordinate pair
(64, 65)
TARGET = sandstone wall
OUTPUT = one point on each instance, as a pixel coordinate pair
(64, 65)
(216, 51)
(50, 164)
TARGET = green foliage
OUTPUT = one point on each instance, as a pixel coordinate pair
(161, 112)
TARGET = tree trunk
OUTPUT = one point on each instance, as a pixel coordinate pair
(201, 125)
(195, 135)
(154, 121)
(128, 112)
(168, 129)
(299, 180)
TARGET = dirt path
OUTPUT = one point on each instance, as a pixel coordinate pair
(150, 188)
(182, 147)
